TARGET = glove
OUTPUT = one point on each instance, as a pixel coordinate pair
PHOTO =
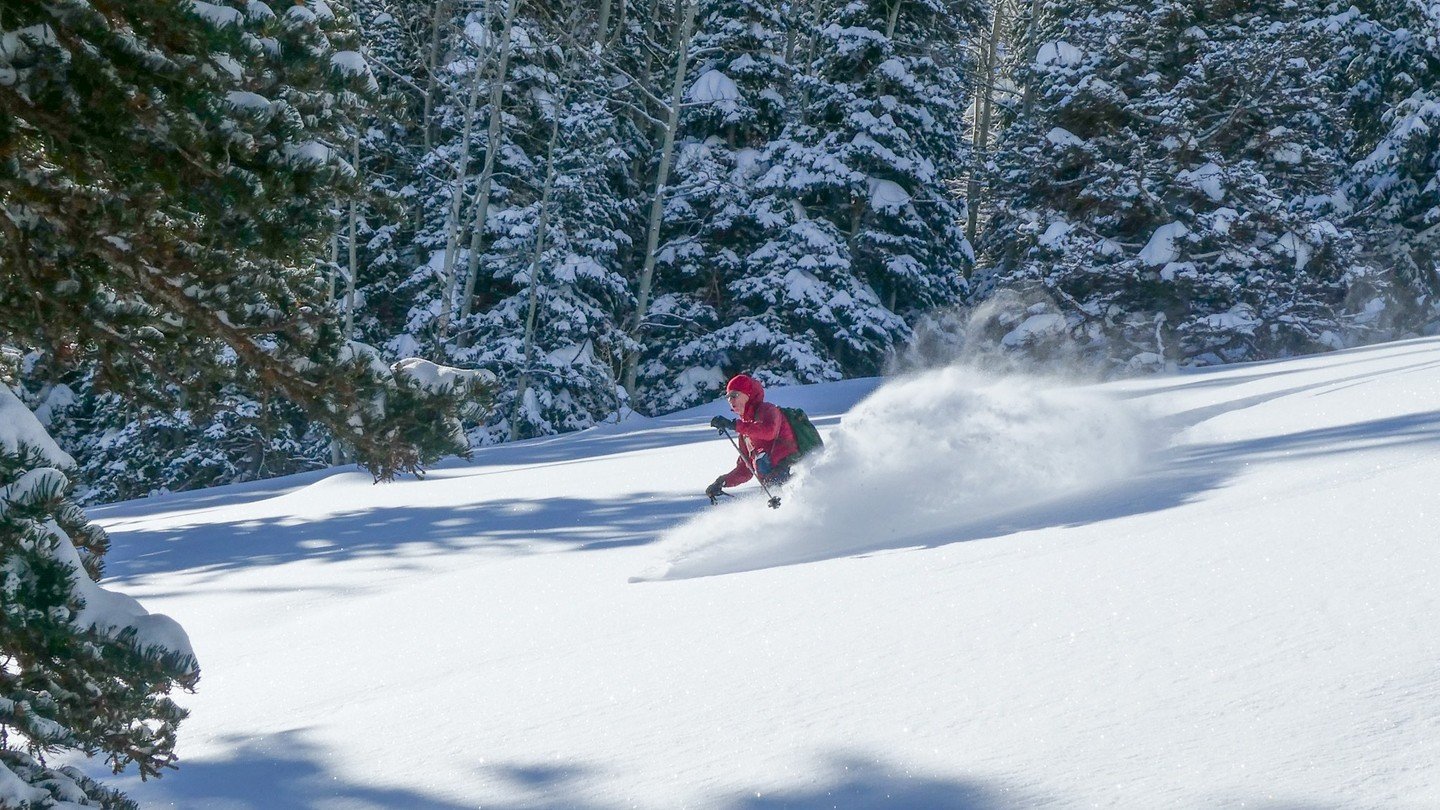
(721, 423)
(715, 489)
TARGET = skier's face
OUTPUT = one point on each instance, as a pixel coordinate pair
(737, 400)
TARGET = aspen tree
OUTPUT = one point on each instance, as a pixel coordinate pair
(662, 176)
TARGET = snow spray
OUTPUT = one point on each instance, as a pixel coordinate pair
(925, 456)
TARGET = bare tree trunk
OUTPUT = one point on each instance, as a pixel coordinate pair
(432, 64)
(646, 74)
(487, 171)
(894, 19)
(1032, 48)
(452, 221)
(536, 255)
(337, 455)
(657, 203)
(603, 24)
(334, 267)
(984, 105)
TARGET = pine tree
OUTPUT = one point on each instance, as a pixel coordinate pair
(550, 298)
(533, 255)
(861, 236)
(396, 169)
(451, 188)
(734, 106)
(668, 102)
(123, 451)
(397, 42)
(1162, 187)
(1390, 74)
(85, 669)
(166, 178)
(809, 223)
(890, 99)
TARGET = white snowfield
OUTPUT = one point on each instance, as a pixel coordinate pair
(1216, 589)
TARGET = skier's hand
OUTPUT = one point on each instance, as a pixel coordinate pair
(721, 423)
(715, 490)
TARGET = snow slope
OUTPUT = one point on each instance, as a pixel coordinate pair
(1211, 589)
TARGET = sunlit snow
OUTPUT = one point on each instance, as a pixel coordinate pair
(1209, 589)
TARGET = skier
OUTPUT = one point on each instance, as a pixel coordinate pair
(767, 442)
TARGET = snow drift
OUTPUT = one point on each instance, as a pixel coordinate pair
(921, 456)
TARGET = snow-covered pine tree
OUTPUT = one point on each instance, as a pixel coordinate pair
(170, 173)
(408, 44)
(550, 297)
(396, 40)
(233, 433)
(1390, 74)
(861, 234)
(451, 189)
(85, 669)
(674, 45)
(406, 303)
(892, 109)
(126, 449)
(124, 452)
(557, 216)
(993, 91)
(1168, 186)
(734, 106)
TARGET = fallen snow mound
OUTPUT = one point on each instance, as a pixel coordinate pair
(918, 457)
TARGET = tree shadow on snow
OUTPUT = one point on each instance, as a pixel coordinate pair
(506, 526)
(849, 780)
(288, 772)
(276, 772)
(846, 781)
(852, 782)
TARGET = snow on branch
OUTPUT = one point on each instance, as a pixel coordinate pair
(435, 378)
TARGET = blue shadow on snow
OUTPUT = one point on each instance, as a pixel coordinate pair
(515, 526)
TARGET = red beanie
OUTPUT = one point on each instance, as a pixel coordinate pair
(746, 385)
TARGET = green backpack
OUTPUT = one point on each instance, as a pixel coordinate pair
(807, 438)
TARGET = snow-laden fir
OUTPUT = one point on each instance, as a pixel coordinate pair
(1211, 589)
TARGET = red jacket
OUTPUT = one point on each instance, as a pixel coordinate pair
(763, 429)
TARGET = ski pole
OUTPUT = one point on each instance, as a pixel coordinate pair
(774, 501)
